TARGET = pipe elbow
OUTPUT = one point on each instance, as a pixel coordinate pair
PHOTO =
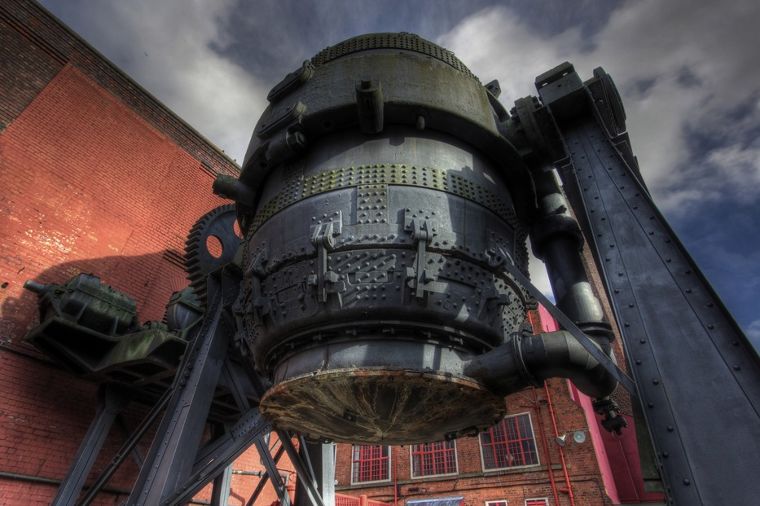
(559, 354)
(529, 360)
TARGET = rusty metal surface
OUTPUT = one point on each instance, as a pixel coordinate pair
(382, 406)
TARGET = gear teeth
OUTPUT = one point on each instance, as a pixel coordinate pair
(198, 261)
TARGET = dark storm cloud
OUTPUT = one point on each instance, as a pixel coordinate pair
(271, 37)
(641, 87)
(687, 78)
(691, 88)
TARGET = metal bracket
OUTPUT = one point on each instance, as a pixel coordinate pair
(255, 271)
(323, 237)
(422, 231)
(291, 114)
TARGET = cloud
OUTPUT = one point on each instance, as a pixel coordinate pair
(173, 50)
(538, 275)
(678, 65)
(753, 332)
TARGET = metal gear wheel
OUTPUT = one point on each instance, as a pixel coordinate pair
(211, 243)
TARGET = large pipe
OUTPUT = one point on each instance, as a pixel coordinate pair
(532, 359)
(557, 240)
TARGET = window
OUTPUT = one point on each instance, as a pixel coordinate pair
(496, 503)
(434, 459)
(370, 463)
(510, 443)
(542, 501)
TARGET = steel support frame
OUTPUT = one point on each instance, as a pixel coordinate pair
(697, 375)
(111, 402)
(271, 474)
(310, 482)
(320, 459)
(176, 467)
(220, 492)
(179, 434)
(127, 447)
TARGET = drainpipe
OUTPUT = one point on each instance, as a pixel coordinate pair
(395, 481)
(542, 433)
(561, 450)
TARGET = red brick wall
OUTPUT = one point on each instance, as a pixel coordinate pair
(25, 68)
(38, 45)
(514, 485)
(95, 178)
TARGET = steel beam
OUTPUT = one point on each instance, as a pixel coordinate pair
(171, 456)
(129, 445)
(110, 403)
(321, 460)
(224, 451)
(221, 489)
(270, 464)
(698, 376)
(311, 495)
(267, 476)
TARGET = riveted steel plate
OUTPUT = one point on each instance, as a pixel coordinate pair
(299, 188)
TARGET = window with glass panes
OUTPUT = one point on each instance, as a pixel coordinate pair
(496, 503)
(510, 443)
(370, 463)
(543, 501)
(431, 459)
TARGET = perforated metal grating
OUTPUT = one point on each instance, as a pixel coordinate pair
(384, 174)
(406, 41)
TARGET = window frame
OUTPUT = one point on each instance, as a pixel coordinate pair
(497, 501)
(545, 499)
(524, 466)
(353, 462)
(422, 477)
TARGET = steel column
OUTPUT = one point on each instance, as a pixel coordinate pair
(698, 376)
(306, 477)
(129, 445)
(267, 476)
(321, 458)
(110, 403)
(171, 456)
(221, 488)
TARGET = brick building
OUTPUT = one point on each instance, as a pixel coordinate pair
(98, 176)
(545, 452)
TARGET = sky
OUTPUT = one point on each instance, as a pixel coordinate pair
(687, 71)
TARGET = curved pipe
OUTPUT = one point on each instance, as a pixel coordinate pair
(529, 360)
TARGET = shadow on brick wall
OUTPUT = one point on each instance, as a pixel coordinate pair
(149, 279)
